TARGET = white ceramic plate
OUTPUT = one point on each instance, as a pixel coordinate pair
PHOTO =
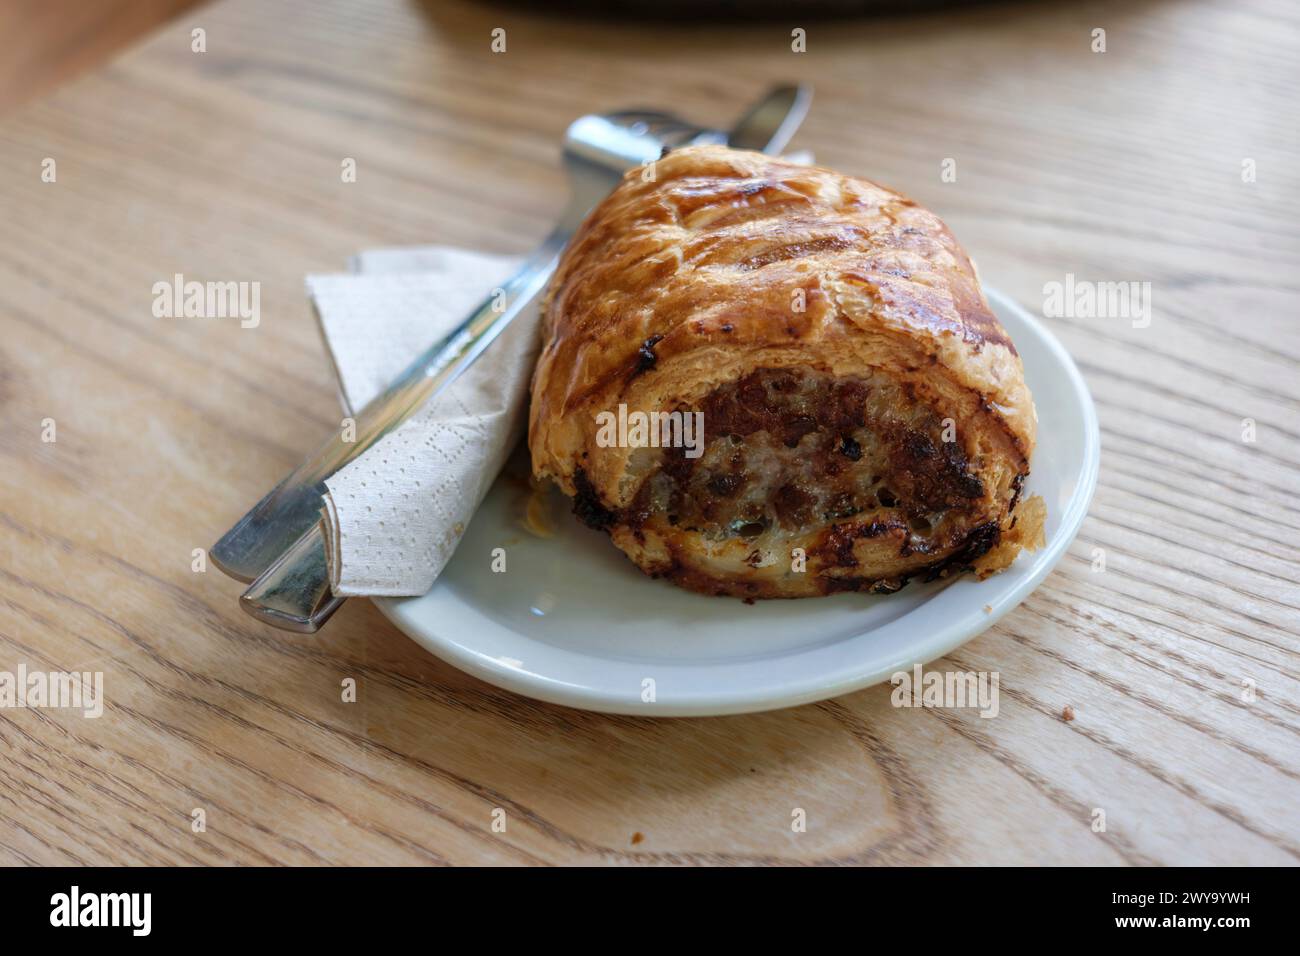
(573, 622)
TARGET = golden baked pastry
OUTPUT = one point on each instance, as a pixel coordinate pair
(848, 411)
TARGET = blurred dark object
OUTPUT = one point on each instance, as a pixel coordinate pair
(686, 12)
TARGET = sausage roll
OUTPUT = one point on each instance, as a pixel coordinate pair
(771, 380)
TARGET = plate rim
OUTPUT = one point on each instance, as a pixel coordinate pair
(727, 702)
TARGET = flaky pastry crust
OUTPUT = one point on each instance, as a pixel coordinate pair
(865, 415)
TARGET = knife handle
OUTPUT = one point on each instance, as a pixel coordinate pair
(294, 593)
(278, 522)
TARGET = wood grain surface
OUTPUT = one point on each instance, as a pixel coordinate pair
(1125, 165)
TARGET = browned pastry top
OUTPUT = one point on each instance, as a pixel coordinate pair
(725, 260)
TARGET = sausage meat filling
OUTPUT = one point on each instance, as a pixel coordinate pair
(787, 451)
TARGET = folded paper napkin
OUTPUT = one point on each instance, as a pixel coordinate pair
(394, 516)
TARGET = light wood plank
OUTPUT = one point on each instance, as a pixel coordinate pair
(1117, 166)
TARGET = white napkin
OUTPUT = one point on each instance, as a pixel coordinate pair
(394, 516)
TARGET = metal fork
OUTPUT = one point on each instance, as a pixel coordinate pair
(280, 544)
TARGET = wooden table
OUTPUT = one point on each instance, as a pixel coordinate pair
(225, 165)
